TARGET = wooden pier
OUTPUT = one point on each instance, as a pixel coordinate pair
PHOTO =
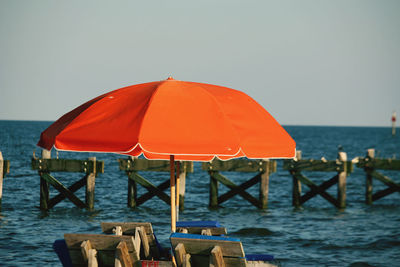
(341, 166)
(134, 165)
(263, 168)
(46, 164)
(370, 164)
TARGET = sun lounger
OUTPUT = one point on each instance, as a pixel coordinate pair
(201, 227)
(199, 250)
(151, 249)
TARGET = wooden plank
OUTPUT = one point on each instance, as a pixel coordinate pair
(104, 244)
(145, 243)
(247, 184)
(73, 188)
(231, 185)
(386, 180)
(150, 187)
(240, 165)
(122, 255)
(151, 165)
(315, 187)
(62, 189)
(215, 231)
(180, 253)
(204, 261)
(204, 246)
(383, 193)
(67, 165)
(316, 165)
(129, 228)
(217, 259)
(380, 164)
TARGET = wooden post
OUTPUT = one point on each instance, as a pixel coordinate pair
(90, 185)
(368, 181)
(182, 185)
(264, 185)
(178, 171)
(44, 185)
(296, 186)
(132, 187)
(1, 177)
(172, 185)
(342, 176)
(213, 190)
(132, 192)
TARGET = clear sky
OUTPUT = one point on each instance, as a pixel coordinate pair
(309, 62)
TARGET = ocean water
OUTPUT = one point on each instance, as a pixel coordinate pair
(315, 235)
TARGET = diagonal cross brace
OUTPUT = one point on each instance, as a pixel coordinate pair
(153, 190)
(235, 189)
(316, 189)
(63, 190)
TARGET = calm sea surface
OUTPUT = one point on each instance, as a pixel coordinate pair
(316, 235)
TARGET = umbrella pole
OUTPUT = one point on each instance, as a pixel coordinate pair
(172, 184)
(178, 174)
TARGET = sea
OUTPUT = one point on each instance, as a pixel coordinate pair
(317, 234)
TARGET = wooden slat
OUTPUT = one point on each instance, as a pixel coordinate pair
(150, 187)
(151, 165)
(128, 228)
(180, 253)
(232, 185)
(67, 165)
(383, 193)
(239, 165)
(104, 244)
(216, 231)
(217, 258)
(204, 246)
(122, 255)
(62, 189)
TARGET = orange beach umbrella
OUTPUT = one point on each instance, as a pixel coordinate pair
(171, 119)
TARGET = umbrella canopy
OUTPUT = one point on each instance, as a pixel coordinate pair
(172, 119)
(192, 121)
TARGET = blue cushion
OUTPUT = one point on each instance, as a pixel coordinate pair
(198, 224)
(259, 257)
(204, 237)
(60, 247)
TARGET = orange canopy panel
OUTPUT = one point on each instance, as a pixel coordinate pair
(192, 121)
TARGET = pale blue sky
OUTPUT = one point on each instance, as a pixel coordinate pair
(312, 62)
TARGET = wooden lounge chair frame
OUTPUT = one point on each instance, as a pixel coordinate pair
(199, 251)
